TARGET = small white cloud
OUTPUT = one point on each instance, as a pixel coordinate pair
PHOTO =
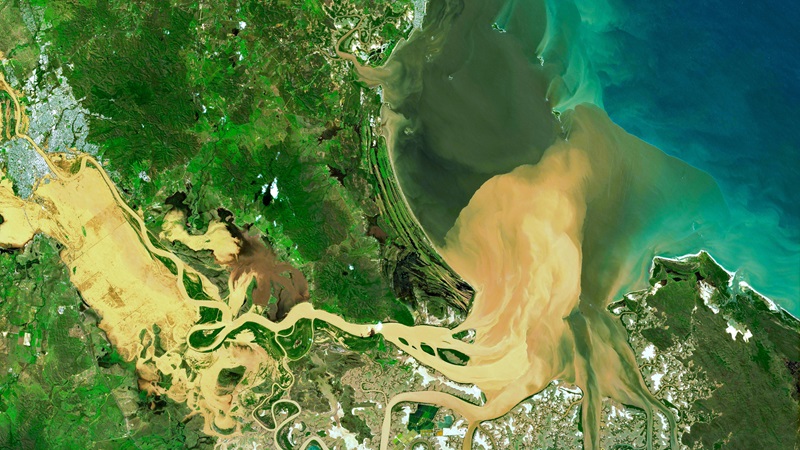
(649, 352)
(732, 331)
(273, 188)
(656, 377)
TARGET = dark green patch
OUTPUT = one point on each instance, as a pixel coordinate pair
(453, 356)
(230, 377)
(422, 418)
(299, 340)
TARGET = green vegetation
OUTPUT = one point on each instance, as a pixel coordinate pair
(374, 342)
(170, 265)
(319, 377)
(194, 287)
(209, 315)
(264, 337)
(422, 418)
(678, 297)
(62, 384)
(319, 386)
(203, 338)
(230, 377)
(16, 41)
(135, 74)
(465, 336)
(286, 410)
(228, 111)
(418, 273)
(243, 107)
(757, 400)
(299, 340)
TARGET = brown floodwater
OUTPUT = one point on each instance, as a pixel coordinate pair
(279, 286)
(548, 215)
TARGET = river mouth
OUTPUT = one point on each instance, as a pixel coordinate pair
(487, 87)
(530, 192)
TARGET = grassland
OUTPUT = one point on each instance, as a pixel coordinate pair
(62, 382)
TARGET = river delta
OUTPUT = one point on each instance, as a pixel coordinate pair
(454, 248)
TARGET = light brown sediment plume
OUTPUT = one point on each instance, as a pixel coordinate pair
(546, 246)
(518, 244)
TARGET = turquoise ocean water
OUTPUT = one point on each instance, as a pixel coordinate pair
(683, 134)
(716, 84)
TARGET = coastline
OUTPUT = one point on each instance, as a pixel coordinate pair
(771, 304)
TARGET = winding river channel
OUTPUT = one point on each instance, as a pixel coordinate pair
(107, 242)
(520, 240)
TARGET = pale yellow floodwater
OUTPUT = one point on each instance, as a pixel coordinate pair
(542, 277)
